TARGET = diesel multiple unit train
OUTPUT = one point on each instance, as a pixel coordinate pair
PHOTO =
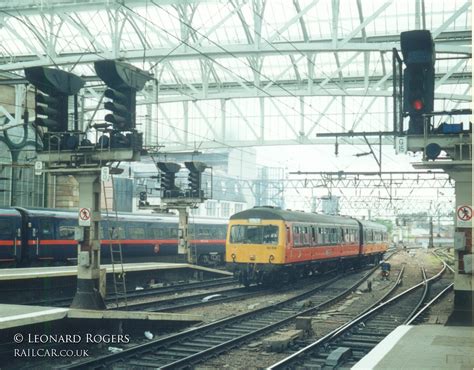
(263, 244)
(46, 236)
(267, 244)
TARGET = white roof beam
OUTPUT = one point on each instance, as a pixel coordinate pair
(451, 19)
(292, 21)
(213, 52)
(285, 118)
(304, 30)
(297, 91)
(321, 115)
(170, 125)
(77, 24)
(206, 120)
(335, 20)
(337, 71)
(24, 41)
(215, 27)
(180, 80)
(449, 73)
(282, 73)
(366, 22)
(179, 146)
(237, 78)
(244, 118)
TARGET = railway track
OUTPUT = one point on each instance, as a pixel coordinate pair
(197, 344)
(443, 256)
(134, 294)
(191, 301)
(353, 340)
(439, 290)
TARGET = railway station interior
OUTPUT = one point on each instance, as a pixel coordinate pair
(243, 184)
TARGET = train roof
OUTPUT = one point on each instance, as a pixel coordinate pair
(9, 212)
(274, 213)
(373, 225)
(65, 213)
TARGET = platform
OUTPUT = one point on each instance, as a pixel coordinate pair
(423, 347)
(62, 271)
(12, 316)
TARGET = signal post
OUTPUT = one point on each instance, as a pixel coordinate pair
(69, 152)
(452, 139)
(173, 197)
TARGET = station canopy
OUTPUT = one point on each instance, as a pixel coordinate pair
(242, 73)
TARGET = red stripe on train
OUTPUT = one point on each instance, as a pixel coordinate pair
(125, 241)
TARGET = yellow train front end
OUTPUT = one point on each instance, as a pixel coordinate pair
(255, 248)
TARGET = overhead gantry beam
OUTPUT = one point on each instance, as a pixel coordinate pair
(42, 58)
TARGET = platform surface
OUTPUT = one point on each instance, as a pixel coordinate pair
(58, 271)
(12, 315)
(423, 347)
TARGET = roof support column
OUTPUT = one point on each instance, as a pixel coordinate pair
(186, 123)
(301, 131)
(223, 120)
(262, 119)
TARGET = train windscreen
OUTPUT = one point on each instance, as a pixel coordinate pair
(254, 234)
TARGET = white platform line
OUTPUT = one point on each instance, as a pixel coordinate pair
(371, 359)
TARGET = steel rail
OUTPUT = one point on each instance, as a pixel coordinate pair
(58, 302)
(343, 328)
(174, 338)
(430, 304)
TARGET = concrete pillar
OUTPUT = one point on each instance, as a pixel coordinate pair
(88, 262)
(463, 280)
(183, 245)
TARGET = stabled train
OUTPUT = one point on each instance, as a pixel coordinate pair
(268, 244)
(46, 236)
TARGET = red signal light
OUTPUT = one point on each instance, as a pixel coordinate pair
(417, 104)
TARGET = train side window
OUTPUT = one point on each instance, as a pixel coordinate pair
(154, 232)
(213, 232)
(115, 232)
(305, 235)
(313, 235)
(163, 232)
(204, 233)
(270, 234)
(66, 232)
(136, 232)
(6, 229)
(46, 229)
(174, 233)
(222, 232)
(191, 232)
(296, 236)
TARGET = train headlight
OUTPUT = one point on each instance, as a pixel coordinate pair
(271, 258)
(233, 257)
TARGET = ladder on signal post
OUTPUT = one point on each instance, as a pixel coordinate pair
(115, 248)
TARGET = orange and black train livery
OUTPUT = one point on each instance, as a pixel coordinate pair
(266, 244)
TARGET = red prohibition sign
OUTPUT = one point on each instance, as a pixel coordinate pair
(464, 213)
(84, 214)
